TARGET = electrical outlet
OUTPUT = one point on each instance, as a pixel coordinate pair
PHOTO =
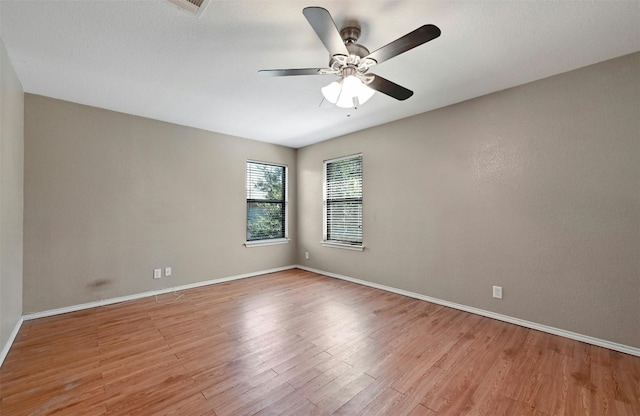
(306, 255)
(497, 292)
(167, 271)
(157, 273)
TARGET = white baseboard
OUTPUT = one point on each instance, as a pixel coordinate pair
(127, 298)
(9, 343)
(505, 318)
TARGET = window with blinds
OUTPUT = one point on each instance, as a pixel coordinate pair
(343, 201)
(266, 201)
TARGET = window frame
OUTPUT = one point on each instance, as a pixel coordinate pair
(284, 201)
(326, 242)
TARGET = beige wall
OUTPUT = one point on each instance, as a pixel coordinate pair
(109, 197)
(535, 189)
(11, 174)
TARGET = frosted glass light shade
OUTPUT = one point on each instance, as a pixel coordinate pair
(349, 93)
(331, 92)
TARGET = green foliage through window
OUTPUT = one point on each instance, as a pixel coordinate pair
(266, 201)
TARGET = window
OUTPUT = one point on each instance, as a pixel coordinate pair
(266, 203)
(343, 202)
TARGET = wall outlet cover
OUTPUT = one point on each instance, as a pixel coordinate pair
(157, 273)
(497, 292)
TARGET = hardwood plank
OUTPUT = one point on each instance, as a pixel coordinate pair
(626, 378)
(454, 394)
(304, 408)
(381, 404)
(413, 395)
(56, 397)
(334, 394)
(362, 399)
(234, 387)
(161, 394)
(297, 343)
(420, 410)
(294, 403)
(253, 400)
(319, 388)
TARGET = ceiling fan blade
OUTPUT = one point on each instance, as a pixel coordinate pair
(289, 72)
(324, 26)
(409, 41)
(389, 88)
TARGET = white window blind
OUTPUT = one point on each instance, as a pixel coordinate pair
(266, 201)
(343, 200)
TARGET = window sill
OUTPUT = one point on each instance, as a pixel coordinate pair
(272, 242)
(334, 244)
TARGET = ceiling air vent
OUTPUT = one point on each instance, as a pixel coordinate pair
(192, 6)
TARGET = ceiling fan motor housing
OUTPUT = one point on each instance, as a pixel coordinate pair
(352, 64)
(350, 36)
(357, 49)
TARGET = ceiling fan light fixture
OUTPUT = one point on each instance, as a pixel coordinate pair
(348, 93)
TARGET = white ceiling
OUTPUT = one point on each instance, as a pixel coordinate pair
(150, 58)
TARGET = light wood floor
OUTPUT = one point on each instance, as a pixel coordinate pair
(297, 343)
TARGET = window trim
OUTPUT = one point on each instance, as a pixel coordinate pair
(336, 243)
(344, 246)
(269, 241)
(266, 242)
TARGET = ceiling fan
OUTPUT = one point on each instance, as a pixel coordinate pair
(351, 61)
